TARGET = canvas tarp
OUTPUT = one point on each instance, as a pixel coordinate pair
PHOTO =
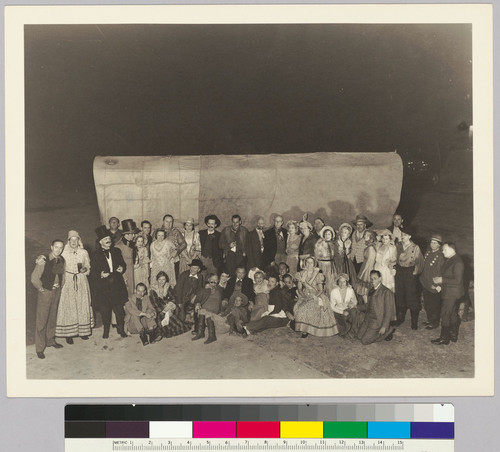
(334, 186)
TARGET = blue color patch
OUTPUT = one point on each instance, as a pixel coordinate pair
(389, 430)
(433, 430)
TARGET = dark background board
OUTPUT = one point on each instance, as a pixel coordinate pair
(37, 424)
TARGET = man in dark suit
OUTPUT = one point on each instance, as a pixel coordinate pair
(239, 282)
(106, 276)
(188, 285)
(256, 246)
(275, 244)
(211, 254)
(452, 289)
(380, 310)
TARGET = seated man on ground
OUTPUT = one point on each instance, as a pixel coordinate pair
(238, 283)
(140, 316)
(239, 314)
(279, 313)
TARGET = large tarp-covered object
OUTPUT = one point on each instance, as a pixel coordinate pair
(334, 186)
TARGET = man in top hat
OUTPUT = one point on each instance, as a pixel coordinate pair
(275, 244)
(106, 276)
(211, 254)
(397, 227)
(233, 242)
(188, 285)
(433, 263)
(358, 241)
(48, 278)
(176, 236)
(451, 286)
(127, 246)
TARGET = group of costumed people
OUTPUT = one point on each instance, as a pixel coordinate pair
(353, 281)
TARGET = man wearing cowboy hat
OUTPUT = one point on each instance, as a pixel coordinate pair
(409, 263)
(127, 246)
(211, 254)
(433, 263)
(106, 276)
(358, 241)
(188, 285)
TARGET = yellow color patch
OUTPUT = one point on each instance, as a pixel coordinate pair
(301, 429)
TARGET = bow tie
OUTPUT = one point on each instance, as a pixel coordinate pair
(193, 276)
(210, 233)
(106, 253)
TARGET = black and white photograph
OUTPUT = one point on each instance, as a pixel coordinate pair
(268, 205)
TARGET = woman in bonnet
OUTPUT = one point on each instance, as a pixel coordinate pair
(74, 314)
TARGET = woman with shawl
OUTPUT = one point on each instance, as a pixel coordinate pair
(342, 256)
(74, 314)
(385, 259)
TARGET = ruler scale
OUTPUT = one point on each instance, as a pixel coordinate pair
(227, 428)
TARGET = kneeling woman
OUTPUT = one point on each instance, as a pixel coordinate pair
(162, 297)
(344, 303)
(313, 313)
(207, 306)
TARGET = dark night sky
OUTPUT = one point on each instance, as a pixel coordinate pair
(197, 89)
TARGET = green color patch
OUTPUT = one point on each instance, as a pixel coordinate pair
(345, 430)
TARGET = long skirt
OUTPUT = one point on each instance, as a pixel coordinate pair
(314, 319)
(141, 275)
(348, 326)
(74, 315)
(175, 327)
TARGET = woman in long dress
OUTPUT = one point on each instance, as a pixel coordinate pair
(386, 258)
(162, 298)
(193, 249)
(292, 247)
(369, 254)
(313, 313)
(324, 251)
(141, 265)
(74, 314)
(342, 257)
(162, 256)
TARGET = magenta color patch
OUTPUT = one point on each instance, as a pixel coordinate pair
(214, 429)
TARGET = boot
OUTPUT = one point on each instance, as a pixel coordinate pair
(195, 326)
(105, 333)
(157, 335)
(414, 318)
(211, 331)
(144, 337)
(444, 339)
(454, 332)
(201, 328)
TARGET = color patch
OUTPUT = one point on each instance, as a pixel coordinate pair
(86, 429)
(214, 429)
(433, 430)
(389, 430)
(345, 429)
(127, 429)
(301, 429)
(158, 429)
(257, 429)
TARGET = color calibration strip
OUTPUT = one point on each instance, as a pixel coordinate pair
(379, 421)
